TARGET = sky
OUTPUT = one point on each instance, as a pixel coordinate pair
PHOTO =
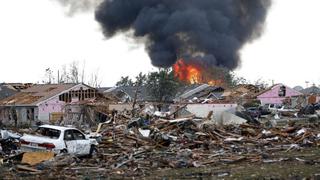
(37, 34)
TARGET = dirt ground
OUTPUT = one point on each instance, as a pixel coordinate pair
(303, 164)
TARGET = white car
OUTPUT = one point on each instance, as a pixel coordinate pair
(59, 139)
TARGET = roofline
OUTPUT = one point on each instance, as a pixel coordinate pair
(61, 93)
(118, 88)
(259, 94)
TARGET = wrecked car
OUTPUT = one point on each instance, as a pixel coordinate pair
(59, 139)
(9, 142)
(254, 112)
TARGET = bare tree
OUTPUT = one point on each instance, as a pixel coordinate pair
(49, 78)
(64, 76)
(261, 84)
(74, 72)
(83, 74)
(95, 80)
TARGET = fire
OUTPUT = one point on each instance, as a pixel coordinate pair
(187, 72)
(193, 73)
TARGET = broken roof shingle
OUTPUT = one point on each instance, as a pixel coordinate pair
(35, 94)
(200, 90)
(6, 91)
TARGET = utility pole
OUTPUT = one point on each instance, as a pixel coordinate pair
(58, 77)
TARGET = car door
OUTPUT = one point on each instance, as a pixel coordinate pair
(83, 144)
(70, 141)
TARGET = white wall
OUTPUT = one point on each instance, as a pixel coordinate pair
(202, 110)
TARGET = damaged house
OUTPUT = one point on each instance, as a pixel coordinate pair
(44, 102)
(202, 99)
(9, 89)
(199, 93)
(243, 93)
(6, 91)
(126, 95)
(277, 94)
(312, 93)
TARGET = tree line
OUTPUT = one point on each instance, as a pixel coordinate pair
(161, 84)
(71, 73)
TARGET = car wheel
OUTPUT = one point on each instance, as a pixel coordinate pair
(93, 151)
(64, 151)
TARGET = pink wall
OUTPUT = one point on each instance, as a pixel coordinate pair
(47, 107)
(272, 96)
(54, 105)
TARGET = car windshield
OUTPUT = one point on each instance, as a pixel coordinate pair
(48, 132)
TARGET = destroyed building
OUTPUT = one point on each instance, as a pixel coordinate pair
(276, 94)
(201, 99)
(242, 94)
(312, 93)
(6, 91)
(126, 96)
(44, 103)
(19, 86)
(313, 90)
(199, 93)
(9, 89)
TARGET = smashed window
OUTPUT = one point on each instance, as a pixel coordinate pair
(68, 136)
(30, 114)
(282, 91)
(78, 135)
(48, 132)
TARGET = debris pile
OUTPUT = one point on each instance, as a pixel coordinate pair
(189, 142)
(135, 147)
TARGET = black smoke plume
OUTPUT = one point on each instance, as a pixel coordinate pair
(209, 31)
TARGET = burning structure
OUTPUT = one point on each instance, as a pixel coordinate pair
(194, 73)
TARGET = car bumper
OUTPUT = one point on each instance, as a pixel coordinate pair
(37, 149)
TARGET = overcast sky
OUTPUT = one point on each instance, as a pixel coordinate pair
(37, 34)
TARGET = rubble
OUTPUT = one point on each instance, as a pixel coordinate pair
(138, 147)
(147, 140)
(9, 142)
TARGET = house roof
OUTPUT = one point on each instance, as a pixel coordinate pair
(6, 91)
(142, 95)
(103, 89)
(35, 94)
(247, 90)
(311, 90)
(199, 91)
(191, 92)
(272, 87)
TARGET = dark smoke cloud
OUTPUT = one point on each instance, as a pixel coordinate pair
(211, 31)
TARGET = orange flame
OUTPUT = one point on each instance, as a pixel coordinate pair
(187, 72)
(193, 73)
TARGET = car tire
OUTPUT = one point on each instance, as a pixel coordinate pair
(93, 151)
(64, 151)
